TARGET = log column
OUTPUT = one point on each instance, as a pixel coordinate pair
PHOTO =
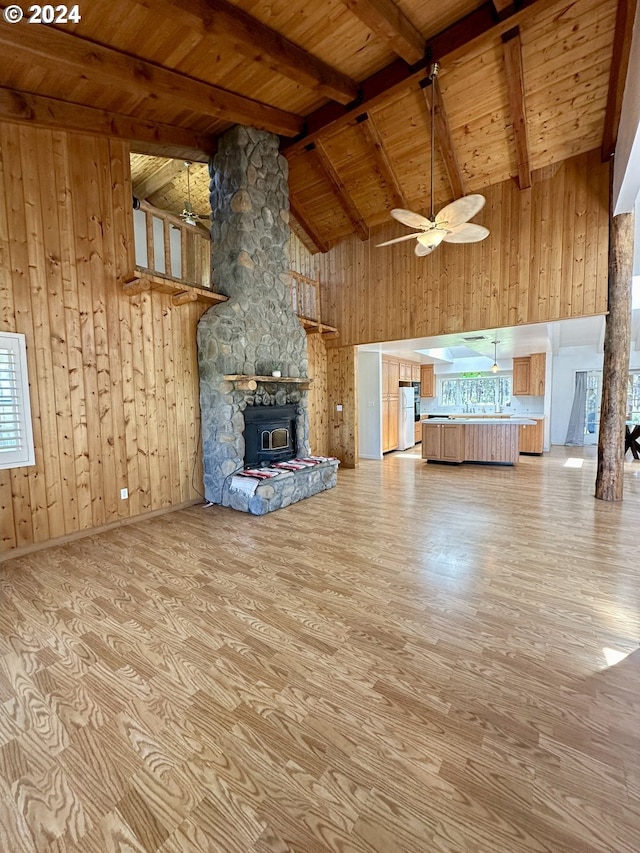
(615, 370)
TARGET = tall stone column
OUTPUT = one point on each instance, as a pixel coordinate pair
(256, 331)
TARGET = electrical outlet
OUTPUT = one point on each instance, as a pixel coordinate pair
(124, 494)
(339, 407)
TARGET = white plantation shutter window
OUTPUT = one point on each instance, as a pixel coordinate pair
(16, 436)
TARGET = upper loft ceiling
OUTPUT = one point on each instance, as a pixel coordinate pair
(344, 82)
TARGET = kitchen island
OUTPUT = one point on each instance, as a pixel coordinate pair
(472, 439)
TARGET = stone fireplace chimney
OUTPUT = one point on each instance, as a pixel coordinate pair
(256, 331)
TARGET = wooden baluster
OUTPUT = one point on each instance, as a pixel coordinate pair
(318, 316)
(190, 266)
(148, 217)
(167, 247)
(183, 254)
(207, 265)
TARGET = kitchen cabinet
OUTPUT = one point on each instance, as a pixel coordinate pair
(418, 433)
(390, 403)
(409, 371)
(390, 415)
(531, 438)
(390, 377)
(443, 442)
(405, 371)
(528, 375)
(521, 376)
(427, 381)
(538, 368)
(476, 440)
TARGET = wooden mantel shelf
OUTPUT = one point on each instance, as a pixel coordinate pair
(250, 383)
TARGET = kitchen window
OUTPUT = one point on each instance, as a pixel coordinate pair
(16, 435)
(465, 392)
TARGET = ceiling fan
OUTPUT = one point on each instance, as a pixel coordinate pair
(188, 214)
(450, 224)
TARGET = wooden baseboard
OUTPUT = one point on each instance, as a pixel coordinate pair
(90, 531)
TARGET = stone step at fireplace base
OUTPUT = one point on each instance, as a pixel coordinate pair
(285, 489)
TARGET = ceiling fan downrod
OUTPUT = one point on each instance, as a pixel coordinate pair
(435, 68)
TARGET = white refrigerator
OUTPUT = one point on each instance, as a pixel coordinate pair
(406, 419)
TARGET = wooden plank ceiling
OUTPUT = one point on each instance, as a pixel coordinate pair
(522, 86)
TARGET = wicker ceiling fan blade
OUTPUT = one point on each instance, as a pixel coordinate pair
(422, 251)
(459, 211)
(411, 219)
(467, 233)
(400, 239)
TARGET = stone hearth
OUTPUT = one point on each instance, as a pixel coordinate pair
(256, 331)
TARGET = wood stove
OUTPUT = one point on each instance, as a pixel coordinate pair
(269, 435)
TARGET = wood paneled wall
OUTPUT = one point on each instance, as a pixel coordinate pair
(545, 259)
(302, 261)
(341, 391)
(300, 258)
(318, 413)
(114, 380)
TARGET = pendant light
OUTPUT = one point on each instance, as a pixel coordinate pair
(494, 366)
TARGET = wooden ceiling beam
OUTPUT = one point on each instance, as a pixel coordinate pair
(512, 47)
(57, 50)
(372, 135)
(625, 16)
(166, 140)
(453, 42)
(311, 233)
(158, 179)
(340, 191)
(503, 7)
(390, 24)
(444, 139)
(261, 44)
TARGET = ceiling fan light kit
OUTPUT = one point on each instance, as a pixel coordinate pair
(451, 224)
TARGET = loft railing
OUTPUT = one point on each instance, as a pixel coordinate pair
(167, 246)
(305, 296)
(305, 301)
(170, 253)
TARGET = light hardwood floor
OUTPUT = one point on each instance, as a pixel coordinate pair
(414, 661)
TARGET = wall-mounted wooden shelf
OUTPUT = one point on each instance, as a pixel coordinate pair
(250, 383)
(181, 293)
(313, 327)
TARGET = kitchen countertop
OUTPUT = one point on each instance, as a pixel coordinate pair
(510, 421)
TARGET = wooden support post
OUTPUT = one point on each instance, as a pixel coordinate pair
(342, 403)
(615, 370)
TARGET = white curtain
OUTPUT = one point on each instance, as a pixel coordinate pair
(575, 431)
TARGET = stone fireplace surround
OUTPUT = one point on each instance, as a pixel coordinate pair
(256, 331)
